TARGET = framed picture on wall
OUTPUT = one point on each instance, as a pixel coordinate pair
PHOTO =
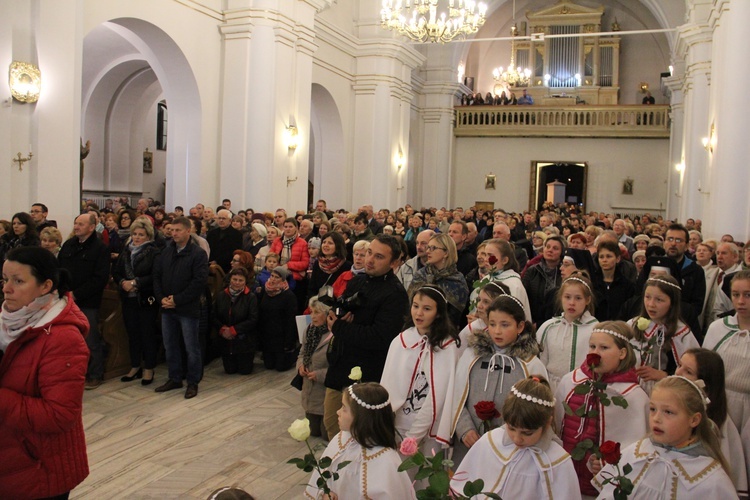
(148, 162)
(627, 186)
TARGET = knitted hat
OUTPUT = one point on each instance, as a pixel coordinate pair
(641, 237)
(283, 272)
(639, 253)
(261, 229)
(313, 243)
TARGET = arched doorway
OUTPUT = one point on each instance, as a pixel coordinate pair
(129, 65)
(327, 172)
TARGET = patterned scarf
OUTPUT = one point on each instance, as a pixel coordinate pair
(330, 265)
(312, 339)
(13, 324)
(286, 249)
(273, 291)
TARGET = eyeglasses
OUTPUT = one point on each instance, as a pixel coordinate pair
(672, 239)
(432, 248)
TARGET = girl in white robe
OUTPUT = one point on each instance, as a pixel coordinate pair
(564, 339)
(702, 364)
(420, 371)
(660, 337)
(367, 441)
(478, 320)
(730, 338)
(496, 359)
(521, 459)
(681, 458)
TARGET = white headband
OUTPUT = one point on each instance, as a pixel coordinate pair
(697, 387)
(574, 278)
(434, 289)
(539, 401)
(613, 333)
(367, 405)
(665, 282)
(514, 300)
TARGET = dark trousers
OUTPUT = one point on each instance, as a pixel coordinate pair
(241, 362)
(95, 343)
(140, 323)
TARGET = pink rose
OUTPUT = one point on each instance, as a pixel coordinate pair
(409, 447)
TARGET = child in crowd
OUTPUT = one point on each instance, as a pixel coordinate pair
(312, 365)
(661, 337)
(681, 458)
(420, 370)
(313, 250)
(495, 360)
(705, 365)
(611, 360)
(478, 321)
(367, 441)
(271, 263)
(730, 338)
(520, 459)
(564, 340)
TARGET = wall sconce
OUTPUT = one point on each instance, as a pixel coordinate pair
(399, 160)
(25, 81)
(680, 167)
(21, 160)
(644, 87)
(709, 143)
(290, 137)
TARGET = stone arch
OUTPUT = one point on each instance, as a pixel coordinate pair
(327, 149)
(128, 65)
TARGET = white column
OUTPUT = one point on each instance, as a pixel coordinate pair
(266, 88)
(727, 204)
(677, 117)
(697, 42)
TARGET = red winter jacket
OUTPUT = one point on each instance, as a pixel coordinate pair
(300, 259)
(42, 375)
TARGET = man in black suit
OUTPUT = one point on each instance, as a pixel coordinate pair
(375, 226)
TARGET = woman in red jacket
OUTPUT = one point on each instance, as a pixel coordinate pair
(42, 375)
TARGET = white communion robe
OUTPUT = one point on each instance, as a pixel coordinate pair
(543, 471)
(662, 474)
(372, 474)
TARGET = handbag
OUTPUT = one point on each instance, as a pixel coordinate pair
(297, 382)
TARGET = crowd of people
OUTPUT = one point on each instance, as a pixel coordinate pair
(508, 338)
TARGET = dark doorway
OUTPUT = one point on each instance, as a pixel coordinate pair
(573, 175)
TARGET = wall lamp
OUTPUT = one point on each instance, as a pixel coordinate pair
(709, 143)
(291, 138)
(25, 81)
(399, 160)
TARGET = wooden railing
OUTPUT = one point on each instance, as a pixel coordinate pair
(562, 121)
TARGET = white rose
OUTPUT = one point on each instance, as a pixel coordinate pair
(642, 323)
(356, 374)
(300, 429)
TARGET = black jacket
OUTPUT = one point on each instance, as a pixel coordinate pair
(242, 316)
(610, 297)
(88, 265)
(223, 243)
(365, 341)
(320, 278)
(141, 269)
(693, 280)
(182, 275)
(535, 283)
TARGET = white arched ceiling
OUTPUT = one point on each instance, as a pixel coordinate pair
(128, 64)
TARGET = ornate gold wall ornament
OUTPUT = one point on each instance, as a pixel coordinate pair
(25, 81)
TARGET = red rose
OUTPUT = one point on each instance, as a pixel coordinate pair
(593, 360)
(492, 260)
(610, 452)
(486, 410)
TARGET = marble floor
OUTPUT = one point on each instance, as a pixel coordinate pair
(234, 433)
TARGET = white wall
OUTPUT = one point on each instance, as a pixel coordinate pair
(610, 162)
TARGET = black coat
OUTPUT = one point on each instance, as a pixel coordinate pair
(242, 315)
(535, 283)
(365, 341)
(88, 265)
(182, 275)
(223, 243)
(141, 269)
(610, 297)
(277, 325)
(319, 278)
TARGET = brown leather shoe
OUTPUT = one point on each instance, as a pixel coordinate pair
(168, 386)
(191, 391)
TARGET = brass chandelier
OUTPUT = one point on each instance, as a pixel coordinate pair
(425, 21)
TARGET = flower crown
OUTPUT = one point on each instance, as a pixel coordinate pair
(574, 278)
(665, 282)
(613, 333)
(533, 399)
(367, 405)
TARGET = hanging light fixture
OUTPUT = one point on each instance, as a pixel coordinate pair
(513, 76)
(420, 20)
